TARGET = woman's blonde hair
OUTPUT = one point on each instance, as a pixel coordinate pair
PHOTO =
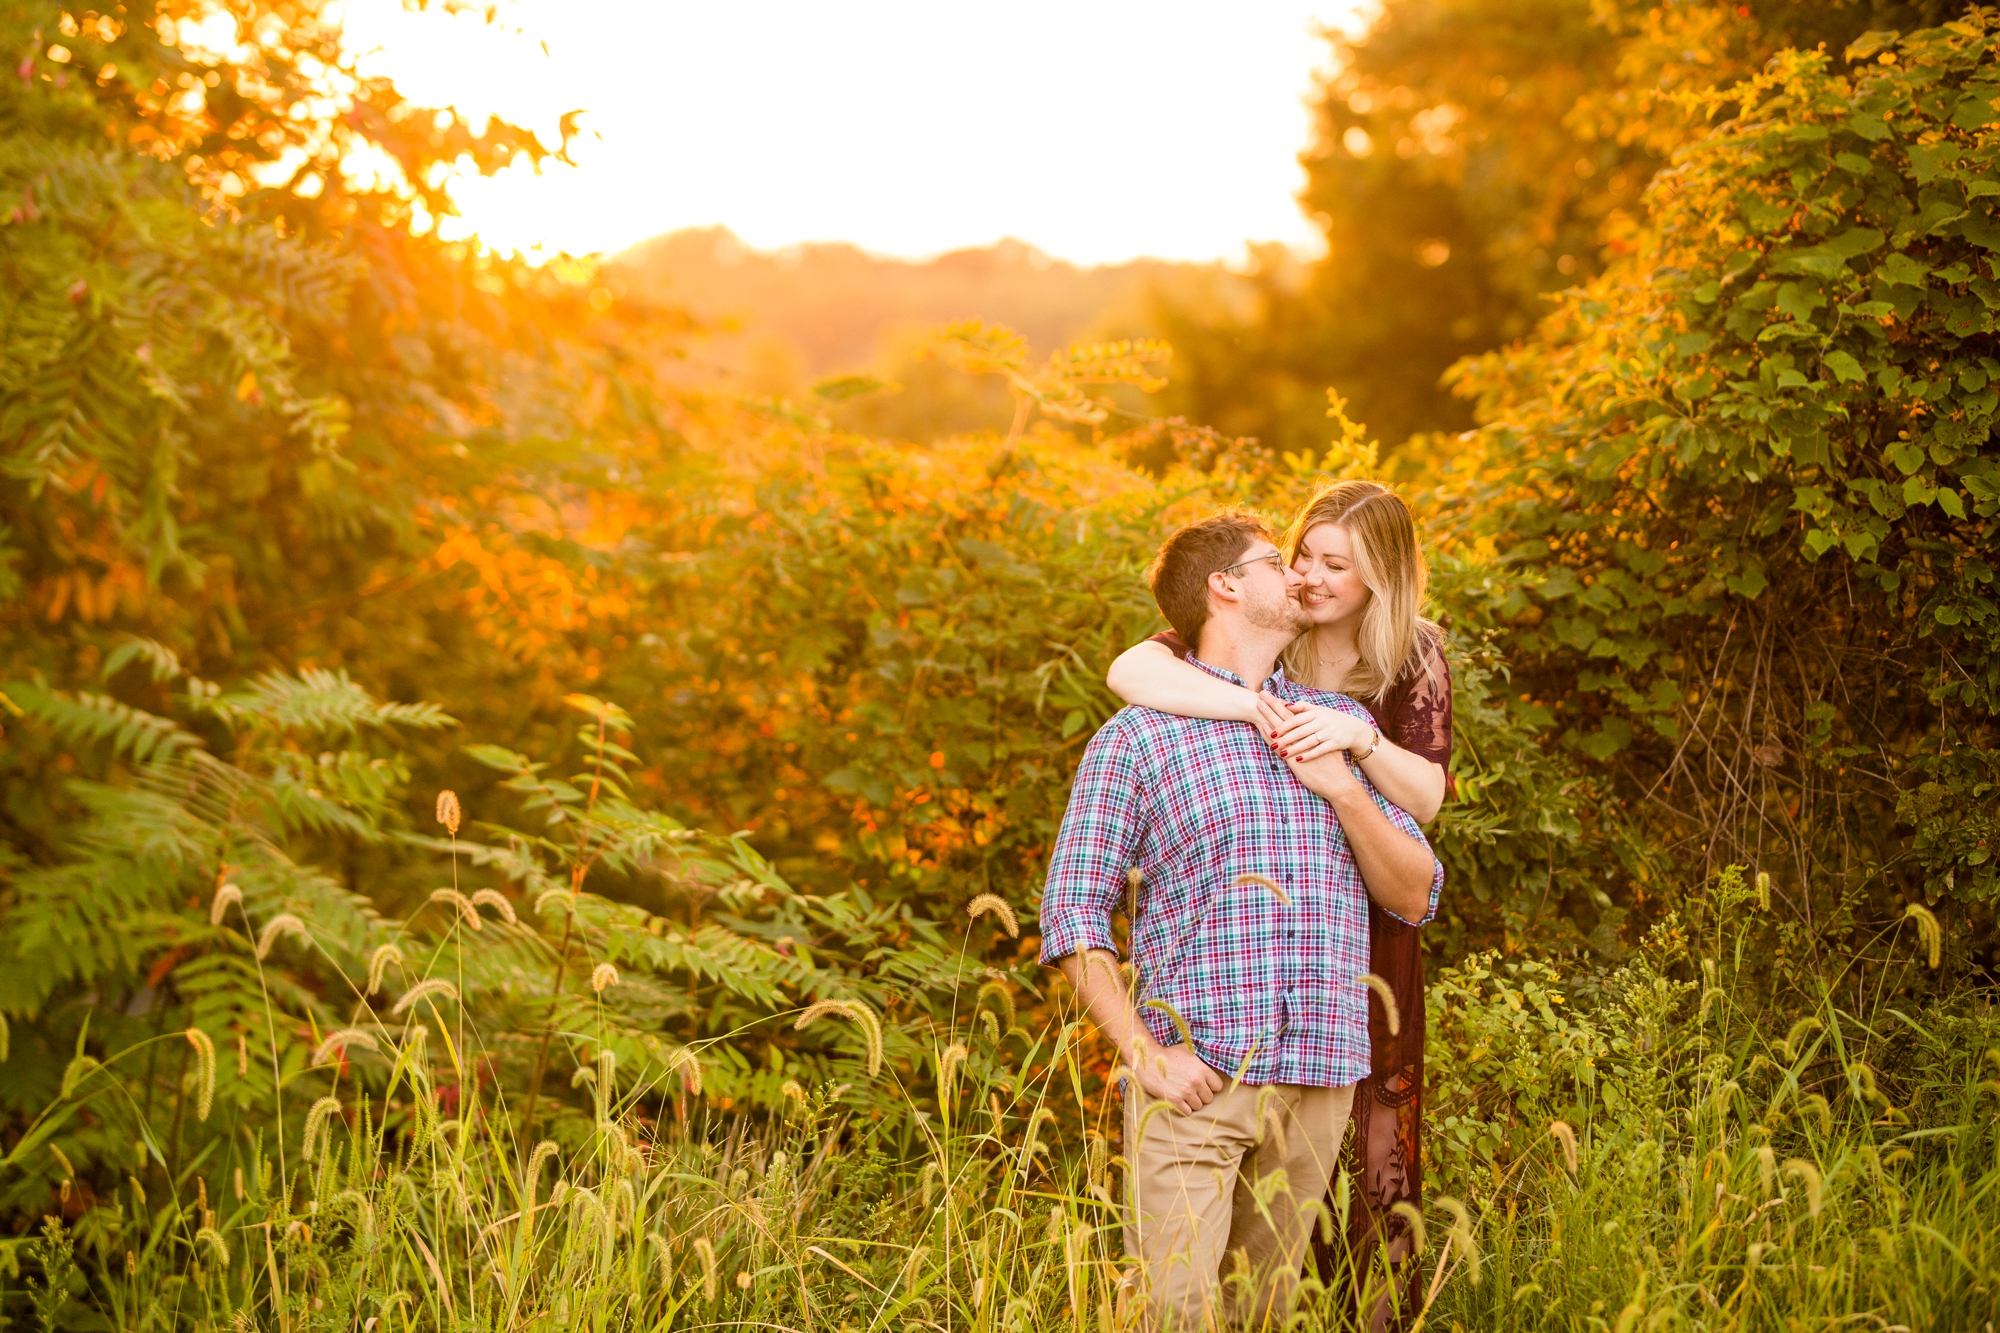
(1393, 637)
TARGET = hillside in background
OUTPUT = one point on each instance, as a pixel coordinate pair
(781, 320)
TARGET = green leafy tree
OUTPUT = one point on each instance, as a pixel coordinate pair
(1764, 598)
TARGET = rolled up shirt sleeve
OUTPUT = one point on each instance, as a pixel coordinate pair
(1097, 845)
(1402, 820)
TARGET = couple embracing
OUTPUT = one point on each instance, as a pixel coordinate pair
(1284, 744)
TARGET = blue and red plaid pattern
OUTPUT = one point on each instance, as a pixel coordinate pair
(1270, 989)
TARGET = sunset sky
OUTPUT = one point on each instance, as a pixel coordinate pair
(1098, 130)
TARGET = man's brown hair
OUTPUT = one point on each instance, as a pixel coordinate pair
(1179, 577)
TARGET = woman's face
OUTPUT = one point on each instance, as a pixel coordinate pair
(1333, 589)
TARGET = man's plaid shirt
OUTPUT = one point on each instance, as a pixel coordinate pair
(1270, 989)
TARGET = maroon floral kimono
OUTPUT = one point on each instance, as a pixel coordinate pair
(1385, 1153)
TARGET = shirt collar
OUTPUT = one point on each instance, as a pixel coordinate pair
(1277, 678)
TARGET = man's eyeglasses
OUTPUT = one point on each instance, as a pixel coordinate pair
(1276, 558)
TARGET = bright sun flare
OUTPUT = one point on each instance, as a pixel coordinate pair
(1097, 131)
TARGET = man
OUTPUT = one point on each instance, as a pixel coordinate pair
(1250, 927)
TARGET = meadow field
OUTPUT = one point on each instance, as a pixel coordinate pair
(514, 818)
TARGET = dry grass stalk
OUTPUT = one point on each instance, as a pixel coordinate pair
(1408, 1212)
(1808, 1175)
(854, 1012)
(424, 990)
(1928, 930)
(1567, 1138)
(280, 925)
(685, 1060)
(1269, 885)
(1461, 1235)
(1003, 1000)
(989, 904)
(336, 1045)
(318, 1124)
(1388, 999)
(948, 1063)
(496, 900)
(226, 897)
(461, 904)
(209, 1241)
(705, 1251)
(378, 963)
(204, 1059)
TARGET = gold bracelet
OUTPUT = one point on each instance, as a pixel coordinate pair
(1364, 758)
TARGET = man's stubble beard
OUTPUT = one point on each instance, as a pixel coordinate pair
(1279, 613)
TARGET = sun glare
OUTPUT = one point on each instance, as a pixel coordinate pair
(1097, 131)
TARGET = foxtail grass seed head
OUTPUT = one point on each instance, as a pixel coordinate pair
(1928, 930)
(6, 1040)
(448, 813)
(1461, 1235)
(706, 1253)
(318, 1124)
(242, 1056)
(607, 1068)
(856, 1013)
(689, 1064)
(1270, 886)
(336, 1045)
(209, 1241)
(663, 1257)
(948, 1063)
(989, 904)
(1767, 1169)
(1173, 1016)
(584, 1074)
(364, 1211)
(496, 900)
(235, 1184)
(1808, 1175)
(1271, 1118)
(1415, 1220)
(603, 977)
(280, 925)
(226, 897)
(548, 898)
(77, 1070)
(1567, 1138)
(204, 1061)
(461, 904)
(1388, 999)
(1799, 1031)
(425, 990)
(378, 964)
(1763, 890)
(1145, 1119)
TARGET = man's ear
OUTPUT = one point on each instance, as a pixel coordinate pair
(1220, 594)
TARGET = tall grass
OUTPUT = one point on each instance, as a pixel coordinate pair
(1656, 1146)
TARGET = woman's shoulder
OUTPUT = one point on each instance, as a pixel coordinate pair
(1427, 658)
(1417, 710)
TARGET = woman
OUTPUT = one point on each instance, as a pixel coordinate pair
(1364, 584)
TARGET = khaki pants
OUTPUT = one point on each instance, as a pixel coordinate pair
(1241, 1178)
